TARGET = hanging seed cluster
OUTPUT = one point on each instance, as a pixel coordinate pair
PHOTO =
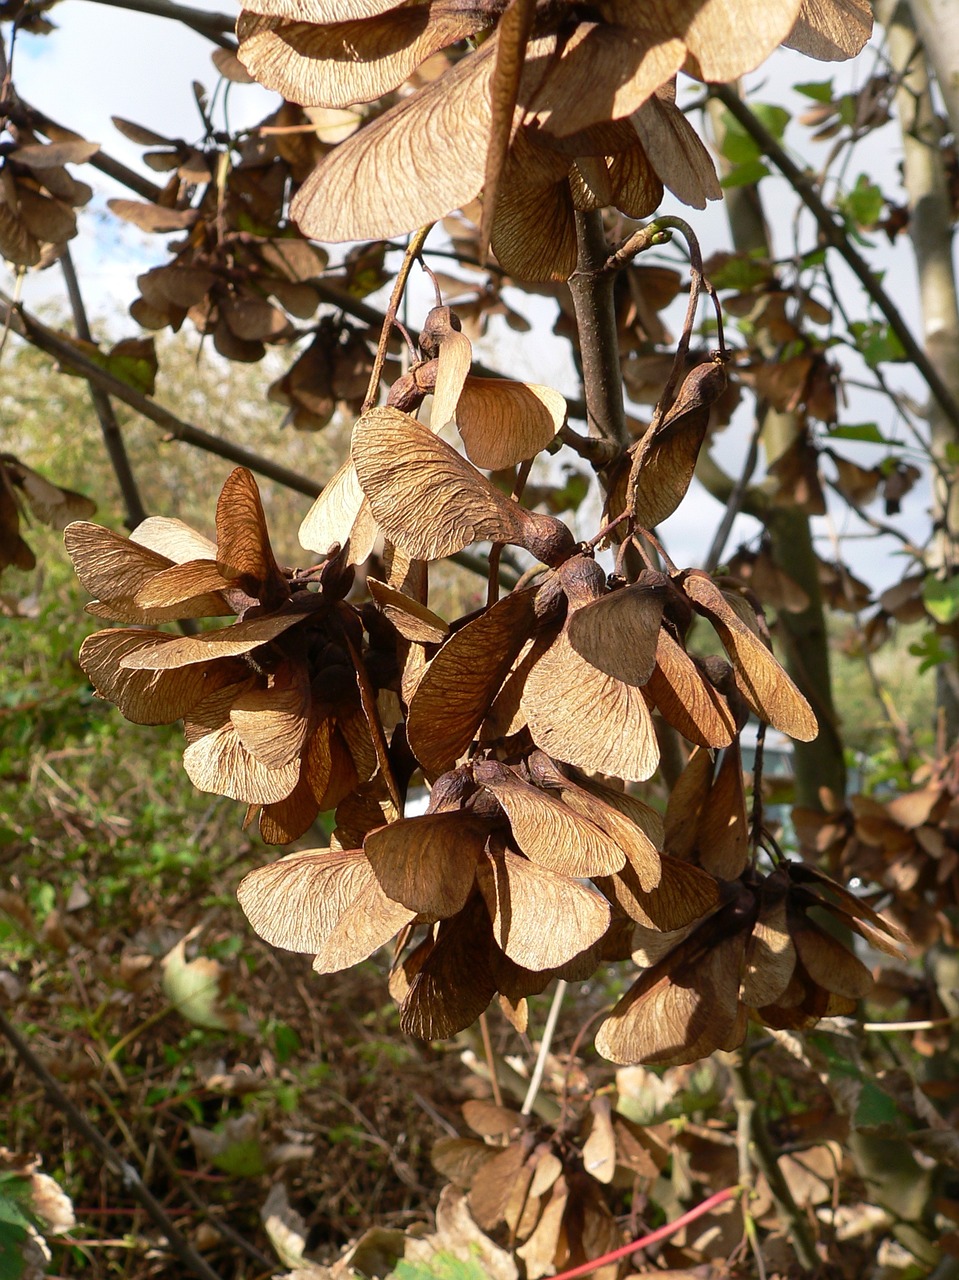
(529, 720)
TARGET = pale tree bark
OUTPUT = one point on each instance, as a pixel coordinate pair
(937, 22)
(819, 764)
(931, 232)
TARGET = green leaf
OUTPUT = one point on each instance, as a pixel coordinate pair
(14, 1228)
(876, 342)
(286, 1042)
(13, 1237)
(745, 175)
(864, 204)
(875, 1107)
(738, 146)
(848, 109)
(775, 119)
(818, 90)
(740, 272)
(932, 651)
(133, 361)
(243, 1159)
(442, 1266)
(941, 598)
(866, 431)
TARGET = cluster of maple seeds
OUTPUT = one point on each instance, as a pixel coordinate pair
(525, 867)
(545, 1183)
(39, 196)
(552, 115)
(909, 844)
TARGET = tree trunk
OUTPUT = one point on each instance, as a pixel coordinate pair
(931, 232)
(819, 764)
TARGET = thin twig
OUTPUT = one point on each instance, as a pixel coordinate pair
(548, 1031)
(178, 1243)
(413, 251)
(224, 1228)
(654, 233)
(766, 1162)
(591, 448)
(924, 1024)
(211, 25)
(490, 1059)
(23, 113)
(734, 503)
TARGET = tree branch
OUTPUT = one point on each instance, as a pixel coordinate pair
(112, 438)
(591, 288)
(31, 329)
(835, 236)
(211, 25)
(23, 113)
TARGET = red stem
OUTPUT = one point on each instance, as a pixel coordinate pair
(661, 1233)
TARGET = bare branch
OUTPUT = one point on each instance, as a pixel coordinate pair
(211, 25)
(31, 329)
(112, 438)
(591, 288)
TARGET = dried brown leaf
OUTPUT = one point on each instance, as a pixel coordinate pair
(762, 681)
(149, 697)
(340, 515)
(424, 157)
(323, 903)
(503, 423)
(219, 762)
(241, 637)
(829, 964)
(618, 633)
(681, 1009)
(335, 64)
(428, 863)
(722, 831)
(546, 830)
(666, 456)
(605, 72)
(770, 955)
(412, 620)
(622, 828)
(272, 722)
(579, 714)
(460, 1159)
(534, 230)
(153, 217)
(831, 30)
(319, 11)
(455, 358)
(456, 690)
(455, 983)
(676, 152)
(684, 894)
(686, 699)
(393, 453)
(540, 919)
(513, 33)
